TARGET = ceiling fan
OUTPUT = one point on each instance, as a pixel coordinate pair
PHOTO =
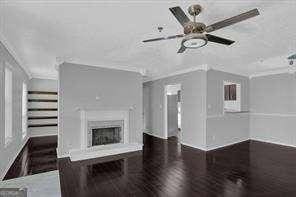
(291, 59)
(194, 32)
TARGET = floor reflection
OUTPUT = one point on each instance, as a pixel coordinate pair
(165, 168)
(37, 156)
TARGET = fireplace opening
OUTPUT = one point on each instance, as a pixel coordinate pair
(108, 135)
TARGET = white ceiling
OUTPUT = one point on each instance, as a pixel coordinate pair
(109, 34)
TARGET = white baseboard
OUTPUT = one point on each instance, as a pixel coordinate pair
(14, 158)
(62, 155)
(104, 150)
(228, 144)
(273, 142)
(192, 146)
(155, 135)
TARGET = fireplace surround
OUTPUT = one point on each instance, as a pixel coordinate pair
(97, 118)
(104, 120)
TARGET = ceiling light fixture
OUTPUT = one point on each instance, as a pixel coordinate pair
(194, 41)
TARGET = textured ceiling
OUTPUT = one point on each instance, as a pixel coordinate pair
(109, 34)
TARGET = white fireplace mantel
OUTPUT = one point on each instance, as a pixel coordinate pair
(103, 150)
(99, 115)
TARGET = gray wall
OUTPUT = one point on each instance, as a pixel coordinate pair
(36, 84)
(79, 85)
(273, 108)
(43, 85)
(172, 104)
(224, 129)
(18, 77)
(193, 101)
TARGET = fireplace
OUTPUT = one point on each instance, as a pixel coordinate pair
(102, 136)
(105, 132)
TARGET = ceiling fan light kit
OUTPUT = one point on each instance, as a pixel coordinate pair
(194, 32)
(194, 41)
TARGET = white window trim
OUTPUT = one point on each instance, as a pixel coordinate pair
(24, 111)
(8, 106)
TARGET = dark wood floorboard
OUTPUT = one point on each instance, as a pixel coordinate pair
(38, 155)
(165, 168)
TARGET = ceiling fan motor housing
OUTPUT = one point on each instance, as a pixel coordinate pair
(194, 27)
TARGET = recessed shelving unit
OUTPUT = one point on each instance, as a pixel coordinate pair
(42, 109)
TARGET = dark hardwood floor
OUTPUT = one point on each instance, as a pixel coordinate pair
(37, 156)
(165, 168)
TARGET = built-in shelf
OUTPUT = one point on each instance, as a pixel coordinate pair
(43, 100)
(236, 112)
(43, 125)
(42, 92)
(40, 104)
(42, 117)
(42, 109)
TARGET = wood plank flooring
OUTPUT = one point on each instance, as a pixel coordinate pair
(165, 168)
(37, 156)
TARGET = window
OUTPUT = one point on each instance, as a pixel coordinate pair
(230, 92)
(24, 111)
(8, 106)
(232, 97)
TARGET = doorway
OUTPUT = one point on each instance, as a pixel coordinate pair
(172, 112)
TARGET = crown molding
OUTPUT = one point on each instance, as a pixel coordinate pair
(13, 53)
(179, 72)
(41, 76)
(280, 70)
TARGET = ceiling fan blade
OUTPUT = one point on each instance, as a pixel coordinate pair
(232, 20)
(180, 15)
(219, 40)
(292, 57)
(154, 39)
(164, 38)
(182, 49)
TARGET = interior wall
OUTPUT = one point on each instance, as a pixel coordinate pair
(50, 85)
(273, 108)
(225, 128)
(88, 87)
(8, 154)
(193, 101)
(268, 109)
